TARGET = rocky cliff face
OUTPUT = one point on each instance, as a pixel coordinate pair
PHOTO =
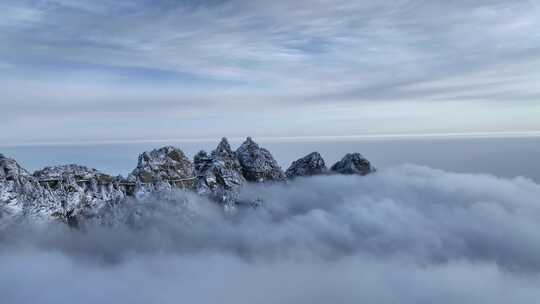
(71, 193)
(353, 163)
(258, 165)
(311, 164)
(162, 169)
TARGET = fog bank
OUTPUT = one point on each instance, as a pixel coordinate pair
(406, 234)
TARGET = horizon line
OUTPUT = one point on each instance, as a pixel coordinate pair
(360, 137)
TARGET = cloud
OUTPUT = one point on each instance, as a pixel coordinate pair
(277, 54)
(429, 236)
(257, 41)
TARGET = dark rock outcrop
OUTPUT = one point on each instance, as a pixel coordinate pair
(162, 169)
(258, 165)
(353, 163)
(311, 164)
(219, 175)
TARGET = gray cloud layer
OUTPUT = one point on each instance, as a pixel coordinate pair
(404, 235)
(188, 64)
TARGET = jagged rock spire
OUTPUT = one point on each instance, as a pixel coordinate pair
(223, 149)
(224, 153)
(258, 165)
(219, 175)
(311, 164)
(353, 163)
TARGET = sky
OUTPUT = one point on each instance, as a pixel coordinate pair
(76, 71)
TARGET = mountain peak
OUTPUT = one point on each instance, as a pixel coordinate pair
(258, 164)
(311, 164)
(353, 163)
(223, 149)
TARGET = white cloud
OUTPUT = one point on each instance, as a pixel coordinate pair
(274, 54)
(427, 235)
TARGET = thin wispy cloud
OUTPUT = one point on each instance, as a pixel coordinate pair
(221, 60)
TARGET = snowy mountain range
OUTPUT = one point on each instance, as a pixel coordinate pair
(73, 193)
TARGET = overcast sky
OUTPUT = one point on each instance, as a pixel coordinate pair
(137, 70)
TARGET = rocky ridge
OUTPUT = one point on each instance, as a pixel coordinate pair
(79, 192)
(71, 193)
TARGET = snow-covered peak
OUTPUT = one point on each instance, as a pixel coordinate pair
(167, 163)
(71, 193)
(353, 163)
(311, 164)
(9, 168)
(223, 149)
(258, 164)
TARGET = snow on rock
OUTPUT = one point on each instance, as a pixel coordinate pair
(311, 164)
(79, 192)
(219, 175)
(162, 169)
(224, 152)
(18, 189)
(353, 163)
(72, 193)
(258, 165)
